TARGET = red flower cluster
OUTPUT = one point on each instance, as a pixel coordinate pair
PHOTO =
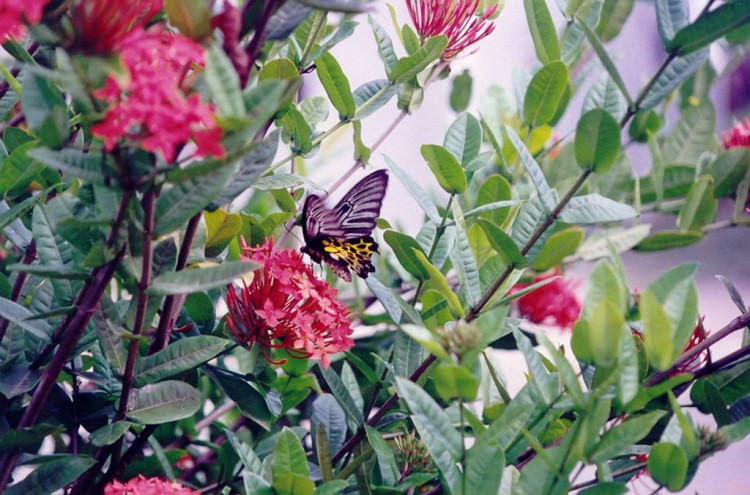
(453, 18)
(14, 14)
(739, 135)
(147, 486)
(553, 304)
(152, 107)
(287, 306)
(101, 26)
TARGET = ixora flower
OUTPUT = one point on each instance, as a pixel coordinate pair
(554, 303)
(147, 486)
(739, 135)
(455, 19)
(14, 14)
(101, 26)
(287, 306)
(152, 107)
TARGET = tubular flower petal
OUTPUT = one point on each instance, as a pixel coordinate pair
(147, 486)
(14, 14)
(287, 306)
(554, 303)
(739, 135)
(453, 18)
(101, 26)
(152, 108)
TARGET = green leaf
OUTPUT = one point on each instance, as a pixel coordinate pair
(345, 400)
(109, 433)
(18, 379)
(607, 487)
(671, 17)
(543, 32)
(336, 85)
(464, 138)
(545, 385)
(678, 70)
(668, 240)
(87, 166)
(613, 17)
(52, 476)
(328, 415)
(389, 472)
(692, 136)
(408, 67)
(455, 382)
(223, 84)
(445, 167)
(162, 402)
(728, 170)
(668, 465)
(502, 243)
(372, 96)
(438, 282)
(288, 456)
(460, 96)
(385, 45)
(618, 439)
(464, 261)
(250, 398)
(199, 279)
(700, 206)
(253, 163)
(221, 228)
(19, 315)
(597, 143)
(404, 247)
(567, 374)
(606, 328)
(494, 189)
(180, 356)
(709, 27)
(256, 485)
(484, 468)
(294, 123)
(184, 199)
(558, 246)
(658, 331)
(544, 94)
(605, 59)
(110, 330)
(594, 208)
(44, 109)
(332, 487)
(434, 426)
(606, 95)
(415, 191)
(546, 196)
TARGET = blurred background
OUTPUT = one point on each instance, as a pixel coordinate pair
(637, 52)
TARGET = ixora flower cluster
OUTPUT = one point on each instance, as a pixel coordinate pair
(454, 19)
(287, 306)
(152, 105)
(554, 303)
(14, 14)
(141, 485)
(737, 136)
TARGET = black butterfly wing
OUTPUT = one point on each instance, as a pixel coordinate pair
(341, 236)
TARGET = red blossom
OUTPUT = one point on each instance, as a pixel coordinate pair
(739, 135)
(101, 26)
(453, 18)
(147, 486)
(287, 306)
(699, 335)
(554, 303)
(152, 108)
(14, 14)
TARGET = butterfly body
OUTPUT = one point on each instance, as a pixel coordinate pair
(342, 236)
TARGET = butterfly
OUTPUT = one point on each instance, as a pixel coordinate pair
(342, 236)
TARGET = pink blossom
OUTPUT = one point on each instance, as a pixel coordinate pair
(147, 486)
(101, 26)
(152, 108)
(453, 18)
(287, 306)
(14, 14)
(554, 303)
(739, 135)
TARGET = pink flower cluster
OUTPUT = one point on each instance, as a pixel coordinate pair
(152, 107)
(14, 14)
(453, 18)
(101, 26)
(554, 303)
(739, 135)
(147, 486)
(287, 306)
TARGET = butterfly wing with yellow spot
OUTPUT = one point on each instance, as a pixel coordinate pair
(341, 236)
